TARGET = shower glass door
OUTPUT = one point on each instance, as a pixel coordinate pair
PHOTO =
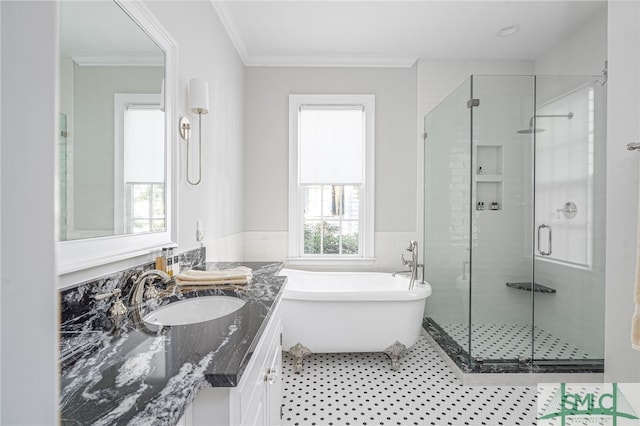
(569, 220)
(514, 223)
(447, 204)
(501, 219)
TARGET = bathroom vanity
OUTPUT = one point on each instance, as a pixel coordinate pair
(225, 371)
(257, 399)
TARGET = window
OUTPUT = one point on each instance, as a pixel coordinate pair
(331, 177)
(139, 186)
(145, 207)
(565, 173)
(331, 224)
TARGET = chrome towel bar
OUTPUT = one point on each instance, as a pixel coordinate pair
(633, 146)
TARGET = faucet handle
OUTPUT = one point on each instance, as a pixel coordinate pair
(118, 309)
(413, 245)
(117, 292)
(151, 292)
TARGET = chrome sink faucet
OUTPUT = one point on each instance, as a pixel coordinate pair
(118, 309)
(149, 291)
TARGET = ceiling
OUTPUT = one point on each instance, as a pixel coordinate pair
(87, 29)
(397, 33)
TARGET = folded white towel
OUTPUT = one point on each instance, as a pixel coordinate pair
(239, 275)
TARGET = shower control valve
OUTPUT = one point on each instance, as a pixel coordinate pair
(569, 210)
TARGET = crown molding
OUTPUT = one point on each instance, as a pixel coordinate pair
(119, 61)
(332, 61)
(230, 27)
(227, 22)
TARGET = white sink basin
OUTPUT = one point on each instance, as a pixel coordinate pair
(191, 311)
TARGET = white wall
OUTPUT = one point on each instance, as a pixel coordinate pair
(622, 364)
(266, 152)
(29, 314)
(205, 51)
(582, 53)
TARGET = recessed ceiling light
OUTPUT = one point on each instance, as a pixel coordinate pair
(508, 30)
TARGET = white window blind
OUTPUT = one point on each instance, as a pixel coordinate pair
(331, 144)
(143, 138)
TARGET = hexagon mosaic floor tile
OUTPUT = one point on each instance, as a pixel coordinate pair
(361, 389)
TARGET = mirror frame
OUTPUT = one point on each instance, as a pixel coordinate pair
(76, 255)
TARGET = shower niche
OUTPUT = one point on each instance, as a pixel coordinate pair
(527, 145)
(488, 177)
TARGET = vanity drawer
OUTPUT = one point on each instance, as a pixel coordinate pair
(262, 374)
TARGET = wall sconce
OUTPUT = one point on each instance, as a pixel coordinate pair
(198, 104)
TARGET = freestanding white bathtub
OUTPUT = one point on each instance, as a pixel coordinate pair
(328, 312)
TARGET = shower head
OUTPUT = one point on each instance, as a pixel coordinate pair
(531, 129)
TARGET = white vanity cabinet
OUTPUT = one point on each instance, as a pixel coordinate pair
(256, 401)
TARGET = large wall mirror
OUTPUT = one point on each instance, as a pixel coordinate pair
(115, 141)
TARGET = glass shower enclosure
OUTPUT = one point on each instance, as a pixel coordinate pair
(514, 223)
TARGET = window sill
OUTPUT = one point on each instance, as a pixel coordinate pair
(330, 261)
(562, 262)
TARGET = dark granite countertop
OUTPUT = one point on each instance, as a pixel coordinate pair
(142, 374)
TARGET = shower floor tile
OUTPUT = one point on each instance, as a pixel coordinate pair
(361, 389)
(510, 341)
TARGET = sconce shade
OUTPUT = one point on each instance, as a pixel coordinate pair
(199, 96)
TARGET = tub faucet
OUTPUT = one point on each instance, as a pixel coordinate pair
(413, 263)
(150, 291)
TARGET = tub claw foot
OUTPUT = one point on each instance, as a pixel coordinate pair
(394, 351)
(298, 352)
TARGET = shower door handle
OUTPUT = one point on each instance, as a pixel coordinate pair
(540, 228)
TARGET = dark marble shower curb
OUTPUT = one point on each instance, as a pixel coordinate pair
(468, 365)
